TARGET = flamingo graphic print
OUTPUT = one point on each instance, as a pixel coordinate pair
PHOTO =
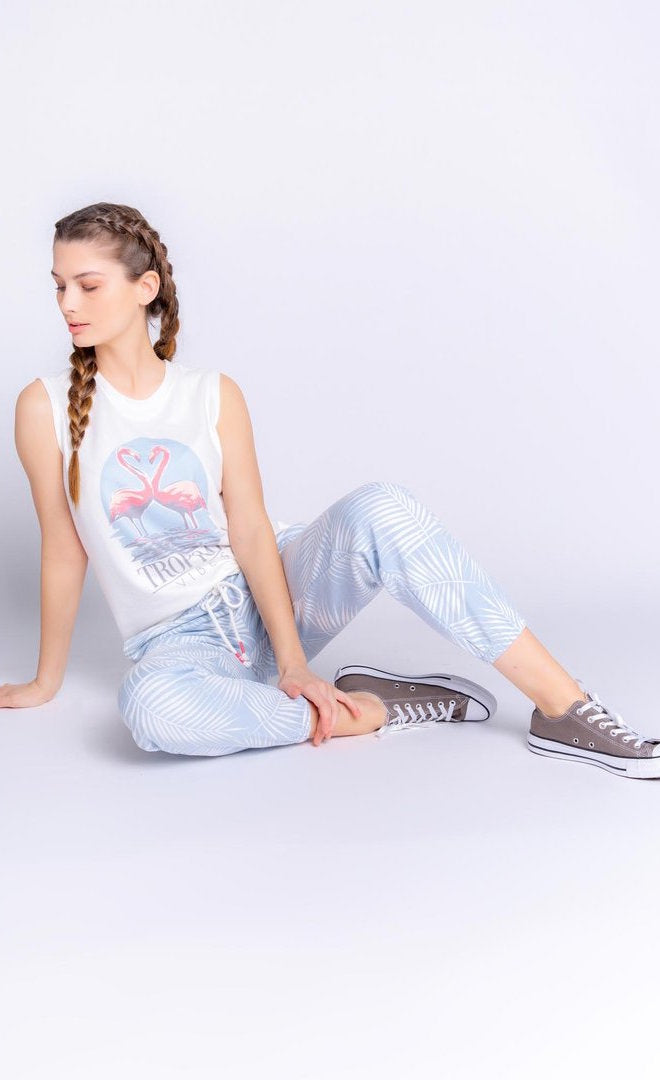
(155, 496)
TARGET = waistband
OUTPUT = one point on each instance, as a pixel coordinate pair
(220, 592)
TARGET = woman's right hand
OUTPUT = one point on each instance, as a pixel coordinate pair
(23, 695)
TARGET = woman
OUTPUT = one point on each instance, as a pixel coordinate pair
(148, 468)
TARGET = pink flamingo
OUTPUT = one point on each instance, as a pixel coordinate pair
(183, 496)
(128, 503)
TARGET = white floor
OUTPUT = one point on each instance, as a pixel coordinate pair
(437, 904)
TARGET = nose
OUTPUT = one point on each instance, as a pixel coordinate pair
(64, 299)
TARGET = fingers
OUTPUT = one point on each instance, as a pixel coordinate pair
(328, 709)
(326, 721)
(328, 714)
(349, 702)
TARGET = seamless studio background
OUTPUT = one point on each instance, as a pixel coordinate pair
(423, 238)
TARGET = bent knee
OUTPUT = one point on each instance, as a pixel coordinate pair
(165, 707)
(375, 499)
(133, 708)
(149, 699)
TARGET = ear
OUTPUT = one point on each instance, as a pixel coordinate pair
(149, 285)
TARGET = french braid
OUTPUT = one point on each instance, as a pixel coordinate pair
(136, 244)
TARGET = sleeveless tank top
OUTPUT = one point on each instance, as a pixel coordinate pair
(150, 515)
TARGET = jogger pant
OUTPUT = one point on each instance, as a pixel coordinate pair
(198, 681)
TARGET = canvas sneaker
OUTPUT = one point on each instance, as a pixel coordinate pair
(413, 701)
(590, 732)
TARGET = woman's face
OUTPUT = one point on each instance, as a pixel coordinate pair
(96, 299)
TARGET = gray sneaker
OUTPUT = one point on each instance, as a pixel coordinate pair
(415, 700)
(590, 732)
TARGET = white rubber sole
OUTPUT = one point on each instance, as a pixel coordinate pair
(471, 690)
(636, 768)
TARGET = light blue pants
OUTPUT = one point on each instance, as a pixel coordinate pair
(198, 681)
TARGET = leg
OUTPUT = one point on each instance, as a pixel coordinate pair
(528, 664)
(172, 700)
(185, 695)
(381, 536)
(373, 715)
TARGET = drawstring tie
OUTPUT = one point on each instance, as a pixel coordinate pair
(221, 590)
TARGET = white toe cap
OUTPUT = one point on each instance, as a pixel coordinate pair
(476, 711)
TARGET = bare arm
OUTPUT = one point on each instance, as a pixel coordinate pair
(251, 534)
(254, 543)
(63, 558)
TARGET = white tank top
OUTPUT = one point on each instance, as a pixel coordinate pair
(151, 515)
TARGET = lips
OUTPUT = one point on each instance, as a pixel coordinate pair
(77, 326)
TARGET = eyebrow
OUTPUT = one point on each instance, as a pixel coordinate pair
(84, 273)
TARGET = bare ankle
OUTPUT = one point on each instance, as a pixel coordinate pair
(373, 714)
(372, 705)
(557, 706)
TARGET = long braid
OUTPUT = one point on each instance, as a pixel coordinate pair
(139, 248)
(81, 391)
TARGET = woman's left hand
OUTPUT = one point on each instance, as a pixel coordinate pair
(298, 679)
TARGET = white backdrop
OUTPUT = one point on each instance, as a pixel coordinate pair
(423, 237)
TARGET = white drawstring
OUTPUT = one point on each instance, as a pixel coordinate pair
(221, 590)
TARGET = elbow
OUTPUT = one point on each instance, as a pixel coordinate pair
(244, 537)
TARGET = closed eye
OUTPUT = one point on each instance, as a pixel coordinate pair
(86, 288)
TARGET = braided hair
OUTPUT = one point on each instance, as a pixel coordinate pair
(138, 246)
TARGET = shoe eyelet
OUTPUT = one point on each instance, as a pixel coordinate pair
(576, 740)
(396, 685)
(615, 733)
(591, 746)
(601, 726)
(590, 719)
(412, 687)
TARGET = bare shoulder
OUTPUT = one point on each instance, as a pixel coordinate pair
(33, 399)
(41, 457)
(36, 441)
(242, 490)
(230, 391)
(34, 420)
(234, 413)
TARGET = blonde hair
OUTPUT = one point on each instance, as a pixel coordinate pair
(135, 244)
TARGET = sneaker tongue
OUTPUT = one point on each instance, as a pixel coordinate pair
(620, 723)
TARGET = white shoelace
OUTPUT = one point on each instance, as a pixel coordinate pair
(220, 590)
(608, 718)
(412, 720)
